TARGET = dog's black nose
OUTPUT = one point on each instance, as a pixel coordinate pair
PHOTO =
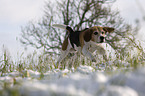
(102, 37)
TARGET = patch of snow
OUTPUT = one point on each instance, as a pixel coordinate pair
(14, 74)
(32, 73)
(117, 91)
(85, 69)
(85, 81)
(100, 77)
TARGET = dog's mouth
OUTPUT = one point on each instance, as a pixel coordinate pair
(101, 41)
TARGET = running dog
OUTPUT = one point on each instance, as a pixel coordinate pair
(85, 41)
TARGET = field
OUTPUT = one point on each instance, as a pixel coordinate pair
(37, 75)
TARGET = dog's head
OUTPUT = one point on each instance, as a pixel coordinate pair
(97, 33)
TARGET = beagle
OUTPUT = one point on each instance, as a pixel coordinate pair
(85, 41)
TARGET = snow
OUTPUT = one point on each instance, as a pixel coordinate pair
(85, 69)
(119, 91)
(84, 81)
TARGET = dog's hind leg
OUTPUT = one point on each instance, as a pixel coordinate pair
(74, 58)
(62, 56)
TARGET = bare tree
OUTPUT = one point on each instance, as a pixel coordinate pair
(79, 14)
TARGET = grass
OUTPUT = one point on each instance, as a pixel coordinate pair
(43, 63)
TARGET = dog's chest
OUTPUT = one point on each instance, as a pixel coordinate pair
(92, 46)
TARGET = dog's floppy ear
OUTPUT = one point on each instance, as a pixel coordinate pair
(88, 35)
(108, 29)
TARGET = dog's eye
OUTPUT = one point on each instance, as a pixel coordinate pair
(96, 33)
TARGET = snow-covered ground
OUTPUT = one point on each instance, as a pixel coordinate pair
(85, 81)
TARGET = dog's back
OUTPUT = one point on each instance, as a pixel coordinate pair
(73, 35)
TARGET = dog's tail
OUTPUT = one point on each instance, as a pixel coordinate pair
(66, 27)
(59, 26)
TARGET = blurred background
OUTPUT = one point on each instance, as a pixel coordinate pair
(17, 13)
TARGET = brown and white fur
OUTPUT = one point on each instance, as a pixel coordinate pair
(85, 41)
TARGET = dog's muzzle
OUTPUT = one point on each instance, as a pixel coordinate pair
(102, 39)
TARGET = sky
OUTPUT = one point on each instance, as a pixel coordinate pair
(13, 15)
(17, 13)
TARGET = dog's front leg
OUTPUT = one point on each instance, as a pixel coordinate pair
(86, 52)
(102, 51)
